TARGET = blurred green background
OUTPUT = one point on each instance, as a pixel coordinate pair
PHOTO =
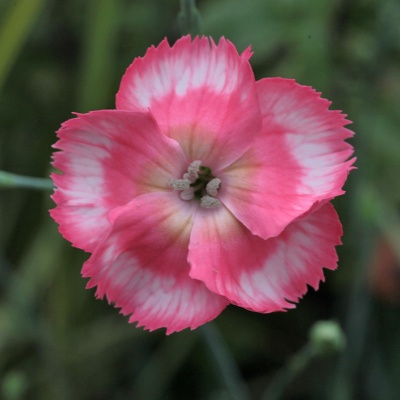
(58, 342)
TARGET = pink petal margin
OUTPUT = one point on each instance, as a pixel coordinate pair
(107, 158)
(263, 275)
(142, 266)
(298, 163)
(203, 95)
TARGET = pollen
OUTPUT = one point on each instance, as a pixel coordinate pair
(199, 184)
(213, 186)
(209, 202)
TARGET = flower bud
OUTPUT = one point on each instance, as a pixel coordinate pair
(326, 337)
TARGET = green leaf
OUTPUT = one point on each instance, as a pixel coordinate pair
(14, 31)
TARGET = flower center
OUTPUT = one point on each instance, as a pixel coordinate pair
(198, 183)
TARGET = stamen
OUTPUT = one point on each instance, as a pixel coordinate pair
(187, 194)
(198, 183)
(213, 186)
(209, 202)
(180, 184)
(193, 170)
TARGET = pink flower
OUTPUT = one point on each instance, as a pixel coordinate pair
(203, 188)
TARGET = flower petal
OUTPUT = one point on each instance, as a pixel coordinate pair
(142, 266)
(107, 159)
(263, 275)
(298, 164)
(201, 94)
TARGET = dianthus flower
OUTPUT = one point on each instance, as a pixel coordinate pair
(203, 188)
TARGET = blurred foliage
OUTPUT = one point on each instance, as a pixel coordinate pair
(57, 341)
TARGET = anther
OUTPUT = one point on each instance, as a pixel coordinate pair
(209, 202)
(180, 184)
(213, 186)
(193, 170)
(198, 183)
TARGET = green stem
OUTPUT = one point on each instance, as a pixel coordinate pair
(98, 55)
(174, 350)
(14, 31)
(9, 180)
(288, 373)
(358, 319)
(225, 363)
(325, 338)
(189, 18)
